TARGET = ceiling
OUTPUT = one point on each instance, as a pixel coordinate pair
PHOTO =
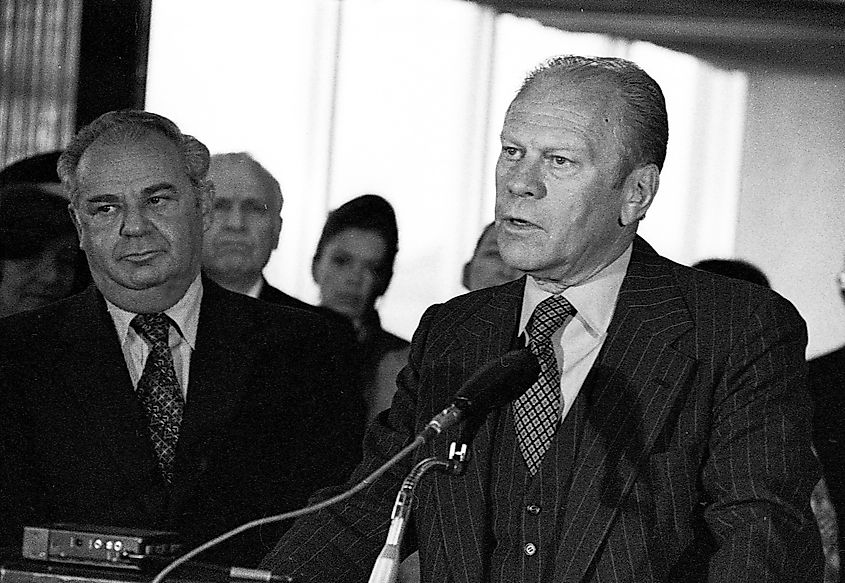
(804, 34)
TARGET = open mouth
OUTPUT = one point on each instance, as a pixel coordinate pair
(515, 222)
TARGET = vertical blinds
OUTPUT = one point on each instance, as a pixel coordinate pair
(39, 56)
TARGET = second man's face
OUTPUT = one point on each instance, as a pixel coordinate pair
(246, 223)
(140, 221)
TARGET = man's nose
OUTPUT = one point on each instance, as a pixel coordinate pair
(525, 178)
(234, 220)
(135, 222)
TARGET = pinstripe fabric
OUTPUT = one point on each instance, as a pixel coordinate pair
(693, 461)
(526, 515)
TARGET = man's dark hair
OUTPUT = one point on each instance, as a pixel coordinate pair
(368, 212)
(735, 268)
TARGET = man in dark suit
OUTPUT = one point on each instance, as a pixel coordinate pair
(247, 208)
(827, 388)
(156, 398)
(668, 435)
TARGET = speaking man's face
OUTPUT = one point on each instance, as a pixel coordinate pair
(140, 220)
(557, 200)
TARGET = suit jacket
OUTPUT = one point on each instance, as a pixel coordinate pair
(827, 388)
(695, 455)
(268, 420)
(274, 295)
(342, 327)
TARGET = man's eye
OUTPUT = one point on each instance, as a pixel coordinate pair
(559, 160)
(104, 209)
(510, 151)
(157, 200)
(256, 208)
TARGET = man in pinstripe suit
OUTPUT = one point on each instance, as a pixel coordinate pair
(682, 444)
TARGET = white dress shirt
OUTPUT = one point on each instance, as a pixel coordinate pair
(578, 341)
(185, 313)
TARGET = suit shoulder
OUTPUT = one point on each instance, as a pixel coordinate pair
(494, 303)
(276, 322)
(32, 329)
(717, 294)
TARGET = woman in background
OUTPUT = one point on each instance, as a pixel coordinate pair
(352, 266)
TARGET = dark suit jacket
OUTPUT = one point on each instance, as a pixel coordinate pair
(268, 420)
(827, 387)
(341, 325)
(274, 295)
(696, 446)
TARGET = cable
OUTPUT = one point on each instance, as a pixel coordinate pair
(258, 574)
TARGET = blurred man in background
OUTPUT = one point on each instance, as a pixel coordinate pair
(486, 267)
(245, 230)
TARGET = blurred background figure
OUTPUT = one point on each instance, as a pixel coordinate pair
(247, 221)
(36, 234)
(352, 267)
(486, 268)
(39, 169)
(736, 268)
(827, 388)
(40, 261)
(827, 423)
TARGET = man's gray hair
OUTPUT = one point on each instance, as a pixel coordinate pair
(644, 128)
(133, 124)
(246, 159)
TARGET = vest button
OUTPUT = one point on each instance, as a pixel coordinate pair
(532, 509)
(530, 549)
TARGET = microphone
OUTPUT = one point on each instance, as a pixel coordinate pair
(498, 382)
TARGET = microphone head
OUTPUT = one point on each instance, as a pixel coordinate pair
(499, 381)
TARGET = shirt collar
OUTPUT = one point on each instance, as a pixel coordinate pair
(256, 288)
(185, 314)
(594, 299)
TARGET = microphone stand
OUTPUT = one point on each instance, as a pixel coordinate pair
(386, 568)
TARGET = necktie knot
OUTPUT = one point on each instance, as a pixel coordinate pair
(153, 327)
(548, 316)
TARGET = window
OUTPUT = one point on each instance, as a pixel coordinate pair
(405, 99)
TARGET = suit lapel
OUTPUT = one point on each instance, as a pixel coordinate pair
(634, 385)
(102, 386)
(487, 332)
(219, 365)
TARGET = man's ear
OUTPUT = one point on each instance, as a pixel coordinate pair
(638, 193)
(277, 230)
(74, 218)
(206, 201)
(314, 262)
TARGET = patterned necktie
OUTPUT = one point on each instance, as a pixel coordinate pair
(537, 412)
(159, 389)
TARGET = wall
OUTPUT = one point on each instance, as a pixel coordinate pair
(791, 218)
